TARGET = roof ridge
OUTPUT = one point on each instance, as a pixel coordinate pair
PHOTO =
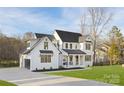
(43, 33)
(67, 31)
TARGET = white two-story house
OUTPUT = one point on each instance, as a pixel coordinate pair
(63, 49)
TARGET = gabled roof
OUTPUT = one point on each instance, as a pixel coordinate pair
(39, 40)
(39, 35)
(74, 51)
(67, 36)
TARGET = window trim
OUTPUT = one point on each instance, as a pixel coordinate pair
(76, 46)
(45, 46)
(88, 46)
(87, 58)
(70, 46)
(66, 45)
(46, 58)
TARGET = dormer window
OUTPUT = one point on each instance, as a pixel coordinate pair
(66, 45)
(45, 45)
(70, 46)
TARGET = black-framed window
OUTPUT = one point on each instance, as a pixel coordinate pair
(45, 58)
(45, 45)
(88, 58)
(88, 46)
(66, 45)
(76, 46)
(70, 46)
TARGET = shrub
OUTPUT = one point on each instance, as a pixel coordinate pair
(7, 63)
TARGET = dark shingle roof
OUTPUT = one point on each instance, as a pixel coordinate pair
(74, 51)
(67, 36)
(46, 51)
(39, 35)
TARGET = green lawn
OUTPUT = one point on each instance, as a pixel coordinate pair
(4, 83)
(108, 74)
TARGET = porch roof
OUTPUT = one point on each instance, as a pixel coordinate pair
(74, 51)
(46, 51)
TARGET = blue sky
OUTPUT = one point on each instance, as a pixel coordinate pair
(17, 21)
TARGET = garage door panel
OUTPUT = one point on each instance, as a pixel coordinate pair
(27, 63)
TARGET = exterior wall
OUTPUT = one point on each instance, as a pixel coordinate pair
(88, 52)
(81, 46)
(57, 58)
(58, 39)
(36, 59)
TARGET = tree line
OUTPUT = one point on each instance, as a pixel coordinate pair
(10, 48)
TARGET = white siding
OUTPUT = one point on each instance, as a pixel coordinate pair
(36, 60)
(57, 58)
(58, 39)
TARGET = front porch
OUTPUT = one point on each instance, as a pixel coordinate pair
(72, 61)
(73, 58)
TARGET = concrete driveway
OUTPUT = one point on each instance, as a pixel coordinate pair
(24, 77)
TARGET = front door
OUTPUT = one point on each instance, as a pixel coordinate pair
(27, 63)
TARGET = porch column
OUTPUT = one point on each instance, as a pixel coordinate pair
(74, 60)
(68, 61)
(79, 60)
(84, 62)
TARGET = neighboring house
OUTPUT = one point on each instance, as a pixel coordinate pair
(102, 54)
(63, 49)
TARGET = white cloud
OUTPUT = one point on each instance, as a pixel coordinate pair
(20, 20)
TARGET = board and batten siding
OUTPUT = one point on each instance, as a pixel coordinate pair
(36, 59)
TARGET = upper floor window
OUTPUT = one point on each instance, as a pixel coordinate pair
(76, 46)
(66, 45)
(88, 46)
(45, 45)
(88, 58)
(70, 46)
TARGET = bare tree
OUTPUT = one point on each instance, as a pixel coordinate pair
(28, 36)
(97, 20)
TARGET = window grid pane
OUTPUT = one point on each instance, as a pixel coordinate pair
(45, 58)
(45, 45)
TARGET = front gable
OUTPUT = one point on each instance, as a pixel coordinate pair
(40, 46)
